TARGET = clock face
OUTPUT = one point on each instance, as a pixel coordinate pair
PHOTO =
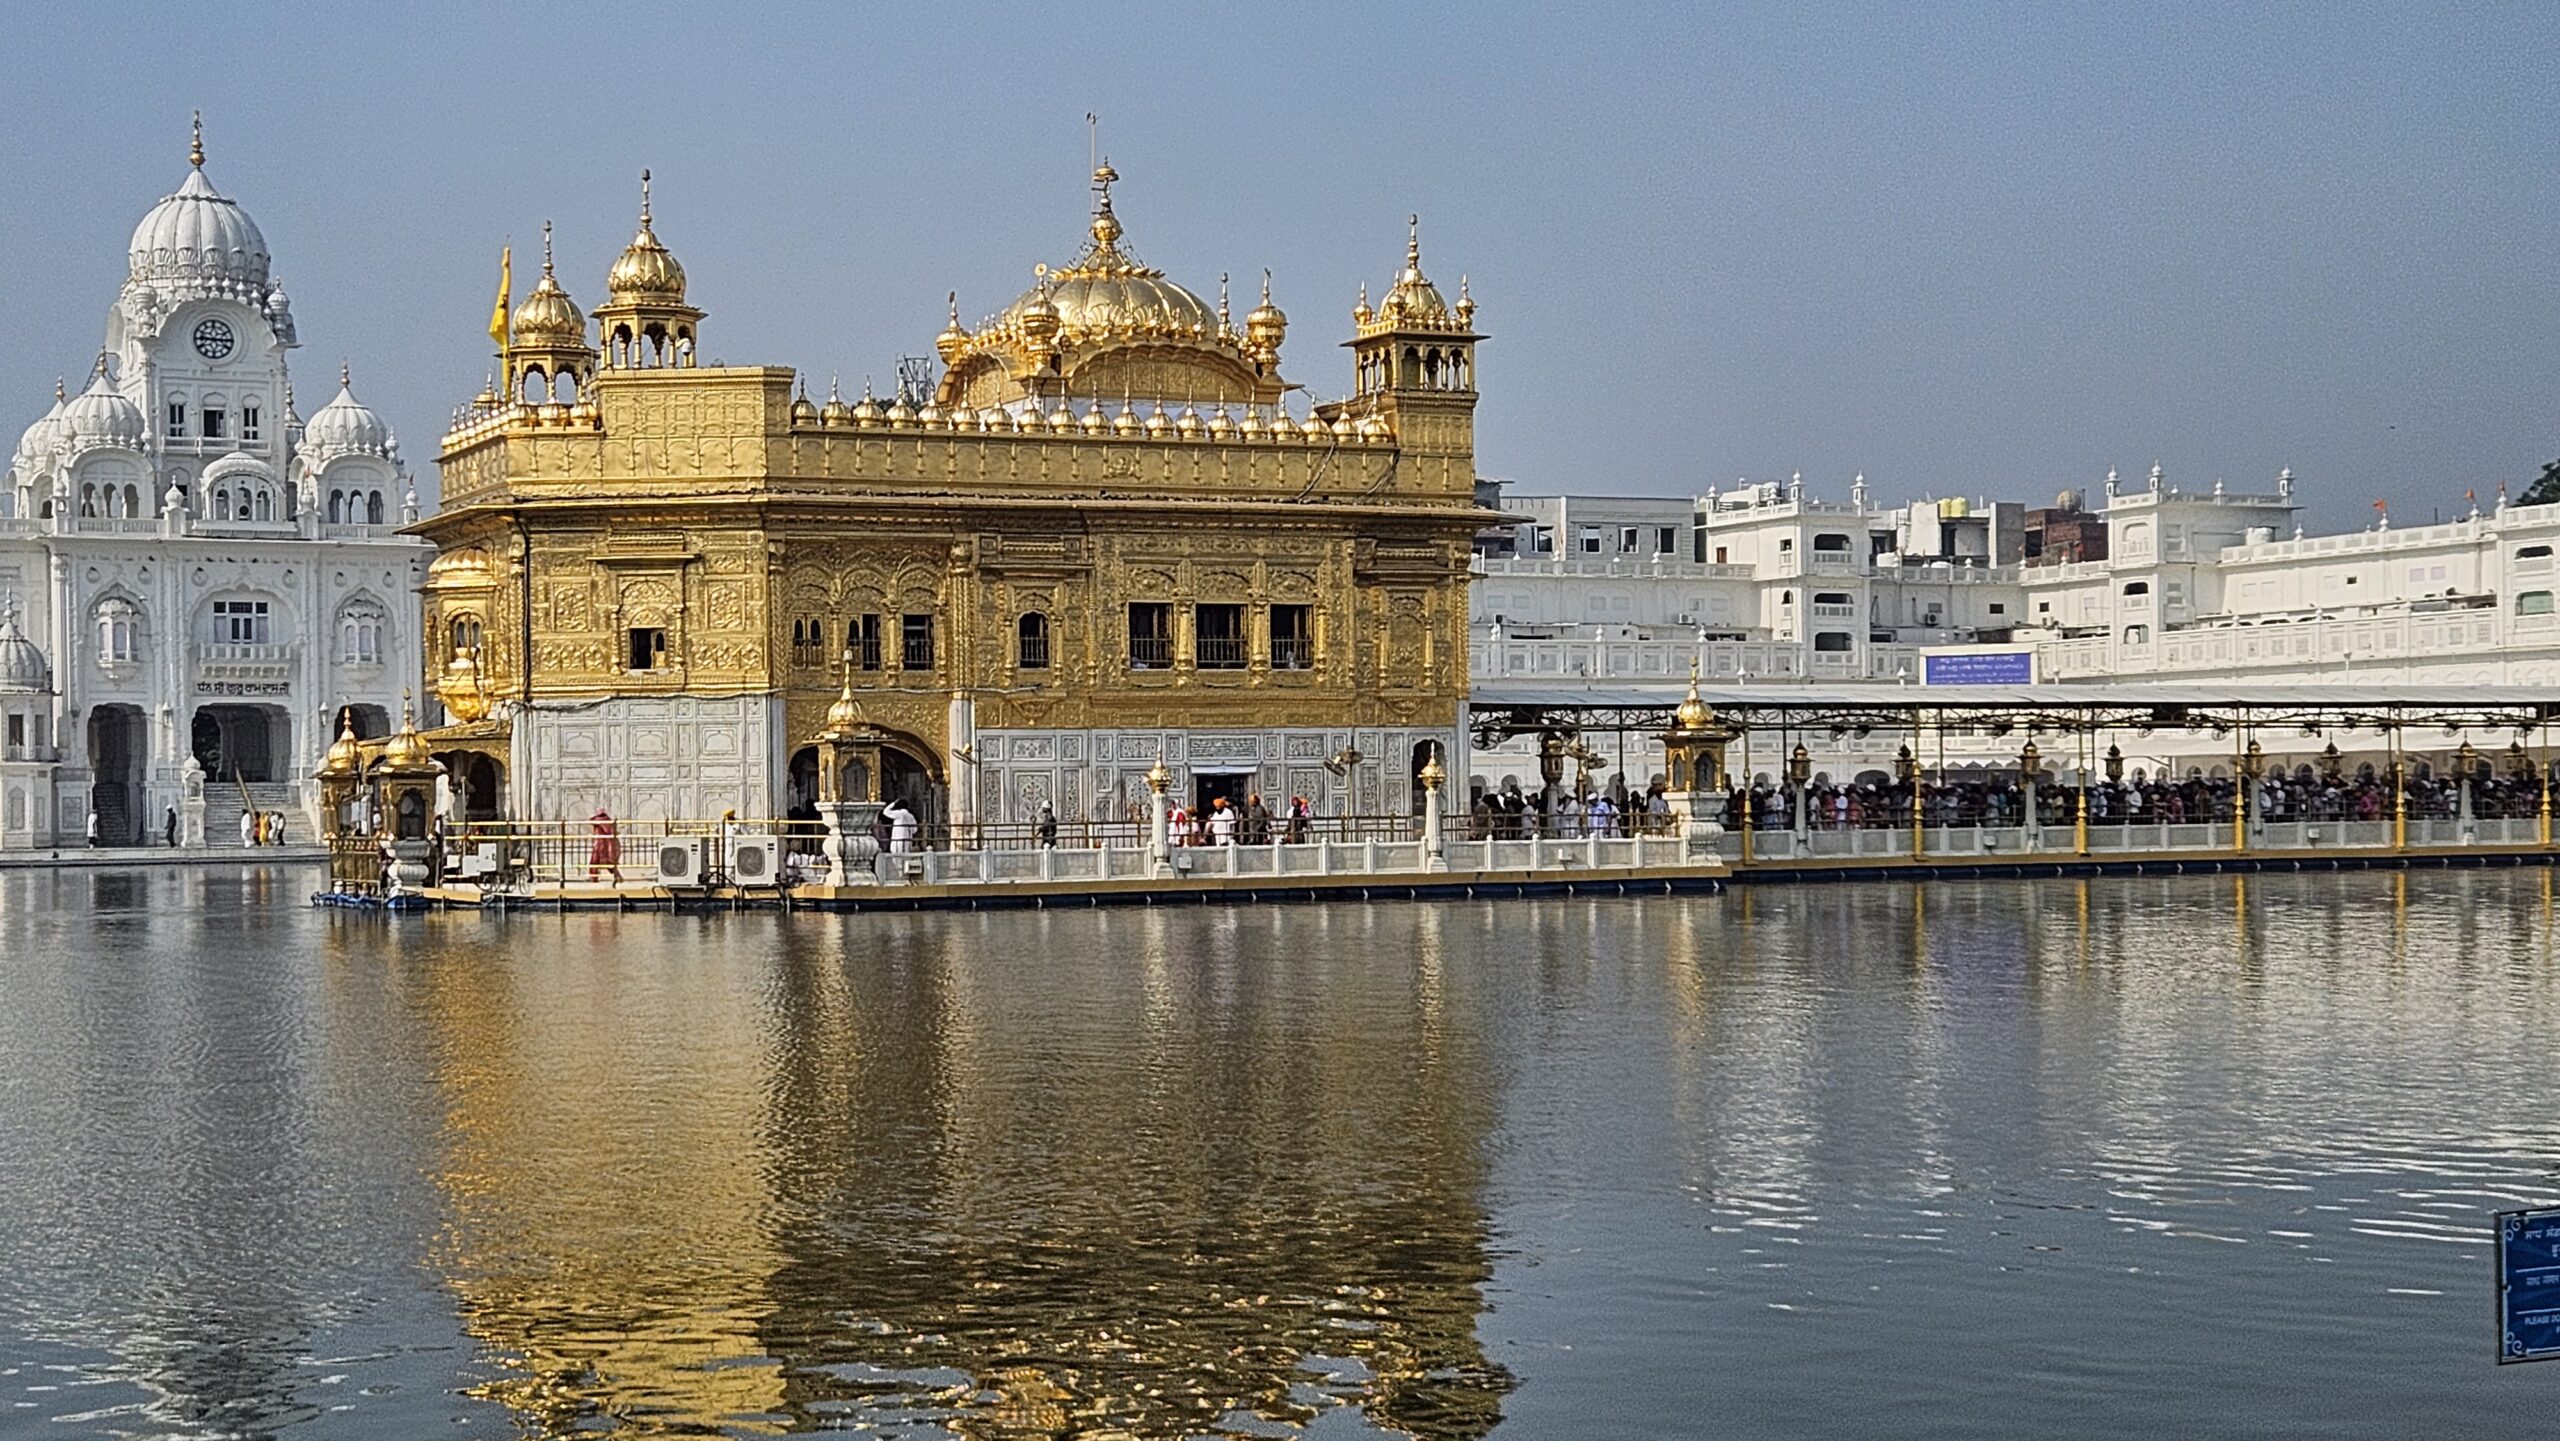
(213, 339)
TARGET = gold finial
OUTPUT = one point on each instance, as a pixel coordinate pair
(1266, 285)
(644, 199)
(57, 390)
(954, 298)
(1413, 241)
(546, 247)
(195, 144)
(1222, 302)
(346, 379)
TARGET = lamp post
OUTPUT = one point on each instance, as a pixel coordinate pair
(1799, 771)
(2332, 765)
(1434, 856)
(2399, 798)
(2253, 762)
(2466, 764)
(2030, 816)
(2080, 802)
(1906, 769)
(1159, 817)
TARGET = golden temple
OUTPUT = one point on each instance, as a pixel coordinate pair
(1103, 539)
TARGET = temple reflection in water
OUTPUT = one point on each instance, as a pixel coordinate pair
(923, 1185)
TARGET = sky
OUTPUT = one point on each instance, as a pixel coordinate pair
(1961, 249)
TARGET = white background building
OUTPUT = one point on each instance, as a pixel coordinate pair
(198, 579)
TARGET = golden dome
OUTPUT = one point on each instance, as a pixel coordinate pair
(549, 319)
(647, 270)
(955, 336)
(1106, 291)
(345, 756)
(465, 569)
(1266, 325)
(405, 751)
(1038, 315)
(1693, 714)
(1413, 297)
(845, 716)
(836, 411)
(866, 411)
(802, 412)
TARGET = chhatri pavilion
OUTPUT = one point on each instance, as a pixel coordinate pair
(1104, 541)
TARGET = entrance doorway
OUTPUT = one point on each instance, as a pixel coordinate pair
(118, 748)
(240, 742)
(1209, 787)
(904, 778)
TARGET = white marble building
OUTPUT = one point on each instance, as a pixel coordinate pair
(195, 580)
(2212, 583)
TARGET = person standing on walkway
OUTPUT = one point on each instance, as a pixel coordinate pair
(248, 828)
(93, 830)
(902, 827)
(1257, 821)
(1047, 827)
(169, 827)
(604, 852)
(1222, 823)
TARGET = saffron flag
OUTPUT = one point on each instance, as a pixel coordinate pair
(506, 293)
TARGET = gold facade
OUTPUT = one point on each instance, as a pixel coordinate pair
(1107, 444)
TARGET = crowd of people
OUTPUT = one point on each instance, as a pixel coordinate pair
(2143, 799)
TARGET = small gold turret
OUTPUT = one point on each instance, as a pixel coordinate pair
(645, 322)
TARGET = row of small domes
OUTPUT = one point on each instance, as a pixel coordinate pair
(869, 414)
(103, 416)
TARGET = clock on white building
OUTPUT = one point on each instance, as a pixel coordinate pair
(213, 338)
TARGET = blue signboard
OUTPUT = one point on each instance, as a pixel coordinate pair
(1999, 667)
(2528, 1285)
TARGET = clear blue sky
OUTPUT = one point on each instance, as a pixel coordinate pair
(1962, 249)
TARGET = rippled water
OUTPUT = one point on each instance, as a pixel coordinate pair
(2117, 1158)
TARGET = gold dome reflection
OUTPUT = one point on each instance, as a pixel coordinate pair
(1036, 1175)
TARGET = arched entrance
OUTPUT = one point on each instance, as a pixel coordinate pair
(903, 777)
(479, 784)
(119, 747)
(241, 742)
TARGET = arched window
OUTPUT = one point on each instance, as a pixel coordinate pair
(2137, 635)
(132, 501)
(222, 505)
(360, 634)
(2137, 587)
(373, 509)
(88, 502)
(119, 626)
(1031, 641)
(337, 506)
(465, 633)
(2533, 602)
(265, 506)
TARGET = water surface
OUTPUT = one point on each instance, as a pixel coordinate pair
(2117, 1158)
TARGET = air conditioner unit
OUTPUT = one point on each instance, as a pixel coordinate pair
(755, 860)
(680, 861)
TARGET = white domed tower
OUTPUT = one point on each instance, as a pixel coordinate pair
(206, 587)
(200, 333)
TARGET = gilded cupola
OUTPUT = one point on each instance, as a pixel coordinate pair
(1105, 324)
(647, 270)
(644, 323)
(548, 358)
(548, 318)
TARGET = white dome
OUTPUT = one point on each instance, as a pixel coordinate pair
(22, 667)
(42, 437)
(102, 415)
(345, 426)
(197, 235)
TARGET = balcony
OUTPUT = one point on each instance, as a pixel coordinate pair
(245, 653)
(1292, 653)
(1150, 652)
(1221, 652)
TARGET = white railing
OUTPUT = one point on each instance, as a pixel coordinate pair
(1624, 567)
(245, 653)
